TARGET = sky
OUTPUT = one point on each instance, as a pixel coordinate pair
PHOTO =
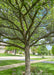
(49, 47)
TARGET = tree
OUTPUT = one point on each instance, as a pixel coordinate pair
(42, 50)
(20, 20)
(49, 52)
(53, 49)
(34, 50)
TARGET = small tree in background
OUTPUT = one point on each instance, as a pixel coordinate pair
(49, 52)
(53, 49)
(42, 50)
(34, 50)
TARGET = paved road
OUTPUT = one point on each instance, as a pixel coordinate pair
(19, 58)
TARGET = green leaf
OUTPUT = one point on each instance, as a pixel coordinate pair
(52, 2)
(28, 0)
(9, 1)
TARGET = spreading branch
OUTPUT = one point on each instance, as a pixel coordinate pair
(11, 44)
(11, 4)
(12, 23)
(15, 38)
(43, 44)
(45, 36)
(9, 27)
(28, 13)
(37, 25)
(31, 7)
(34, 17)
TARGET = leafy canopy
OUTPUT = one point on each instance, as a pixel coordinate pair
(23, 22)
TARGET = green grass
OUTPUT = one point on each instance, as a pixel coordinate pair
(38, 58)
(51, 59)
(32, 55)
(45, 67)
(9, 62)
(5, 54)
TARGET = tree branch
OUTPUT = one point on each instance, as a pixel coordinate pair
(1, 25)
(16, 2)
(37, 26)
(28, 13)
(32, 22)
(20, 19)
(12, 23)
(34, 18)
(15, 38)
(25, 22)
(45, 36)
(44, 44)
(31, 7)
(10, 44)
(12, 4)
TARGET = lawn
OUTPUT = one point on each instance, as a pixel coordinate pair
(32, 55)
(9, 62)
(47, 69)
(52, 59)
(38, 58)
(5, 54)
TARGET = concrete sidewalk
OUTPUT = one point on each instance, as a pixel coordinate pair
(19, 64)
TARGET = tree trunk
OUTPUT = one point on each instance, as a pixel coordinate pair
(27, 61)
(15, 52)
